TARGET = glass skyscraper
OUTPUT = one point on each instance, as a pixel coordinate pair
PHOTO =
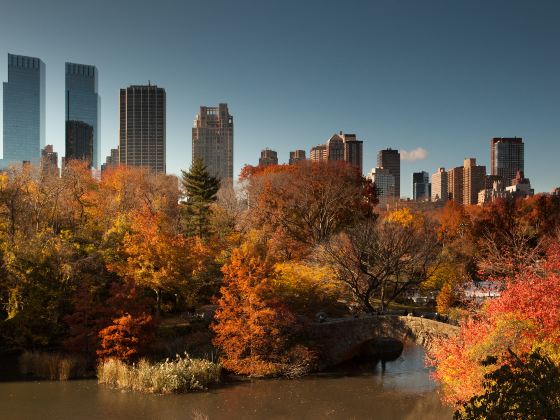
(24, 110)
(82, 103)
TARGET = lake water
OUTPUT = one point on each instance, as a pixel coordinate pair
(402, 390)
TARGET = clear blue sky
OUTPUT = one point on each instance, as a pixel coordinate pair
(442, 75)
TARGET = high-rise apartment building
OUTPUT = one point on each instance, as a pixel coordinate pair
(455, 184)
(268, 158)
(82, 104)
(111, 161)
(297, 156)
(391, 159)
(212, 140)
(353, 151)
(439, 185)
(49, 159)
(474, 181)
(340, 147)
(24, 110)
(335, 148)
(79, 141)
(507, 157)
(421, 187)
(384, 182)
(318, 153)
(142, 127)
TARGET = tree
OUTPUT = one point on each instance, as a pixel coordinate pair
(307, 288)
(201, 191)
(381, 259)
(158, 258)
(524, 317)
(526, 387)
(253, 329)
(308, 202)
(127, 338)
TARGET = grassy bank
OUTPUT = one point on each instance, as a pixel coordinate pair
(53, 366)
(183, 374)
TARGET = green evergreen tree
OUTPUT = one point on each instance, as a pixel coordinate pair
(201, 190)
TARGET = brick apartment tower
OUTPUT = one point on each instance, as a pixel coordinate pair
(455, 184)
(474, 180)
(268, 158)
(297, 156)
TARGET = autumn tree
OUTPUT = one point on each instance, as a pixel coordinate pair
(381, 259)
(524, 317)
(253, 328)
(308, 202)
(307, 287)
(201, 191)
(525, 387)
(161, 259)
(127, 338)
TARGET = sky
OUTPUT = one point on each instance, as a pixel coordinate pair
(435, 78)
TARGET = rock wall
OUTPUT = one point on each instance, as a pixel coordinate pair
(342, 339)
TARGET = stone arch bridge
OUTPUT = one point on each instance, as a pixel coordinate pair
(342, 339)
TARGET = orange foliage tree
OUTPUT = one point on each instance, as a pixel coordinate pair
(253, 329)
(307, 202)
(157, 257)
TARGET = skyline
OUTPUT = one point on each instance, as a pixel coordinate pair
(445, 81)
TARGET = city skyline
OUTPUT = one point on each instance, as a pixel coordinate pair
(476, 89)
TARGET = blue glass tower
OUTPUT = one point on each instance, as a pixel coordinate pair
(24, 110)
(82, 102)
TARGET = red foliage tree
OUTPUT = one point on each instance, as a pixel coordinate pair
(127, 338)
(526, 316)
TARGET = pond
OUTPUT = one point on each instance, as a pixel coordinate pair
(402, 389)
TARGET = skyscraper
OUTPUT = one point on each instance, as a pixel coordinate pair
(474, 181)
(335, 148)
(24, 110)
(79, 141)
(384, 182)
(421, 187)
(455, 184)
(49, 160)
(391, 159)
(111, 161)
(212, 140)
(82, 104)
(142, 127)
(507, 157)
(268, 158)
(439, 185)
(297, 156)
(353, 151)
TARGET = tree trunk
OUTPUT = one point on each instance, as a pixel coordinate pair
(382, 298)
(158, 303)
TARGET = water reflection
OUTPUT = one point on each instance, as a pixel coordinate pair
(403, 391)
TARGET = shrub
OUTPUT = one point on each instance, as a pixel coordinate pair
(53, 366)
(183, 374)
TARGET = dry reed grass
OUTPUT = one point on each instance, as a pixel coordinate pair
(182, 374)
(53, 366)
